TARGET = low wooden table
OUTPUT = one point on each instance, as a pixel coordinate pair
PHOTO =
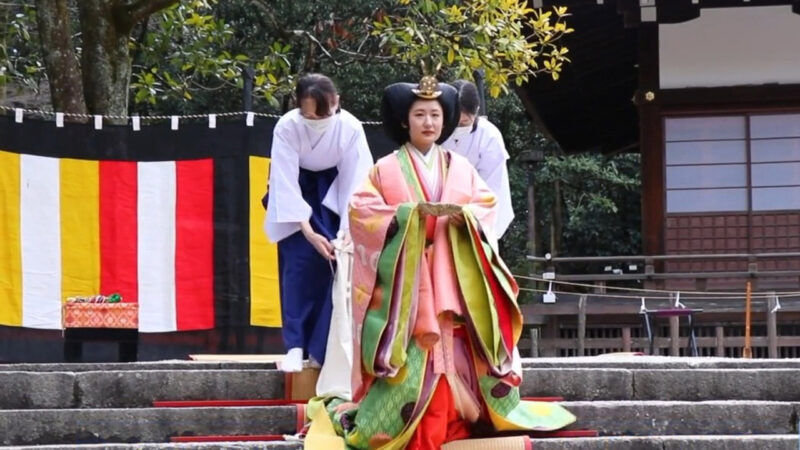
(105, 322)
(649, 314)
(126, 338)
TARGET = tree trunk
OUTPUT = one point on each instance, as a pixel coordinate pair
(106, 26)
(63, 71)
(105, 59)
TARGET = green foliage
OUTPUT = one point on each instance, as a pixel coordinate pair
(601, 203)
(506, 38)
(202, 47)
(189, 50)
(20, 57)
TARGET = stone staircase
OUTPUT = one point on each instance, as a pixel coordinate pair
(636, 403)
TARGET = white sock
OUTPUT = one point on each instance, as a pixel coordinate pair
(293, 361)
(313, 363)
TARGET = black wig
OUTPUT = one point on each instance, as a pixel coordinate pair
(397, 101)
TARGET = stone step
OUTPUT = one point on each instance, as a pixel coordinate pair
(141, 366)
(83, 426)
(634, 418)
(659, 362)
(131, 389)
(734, 442)
(662, 384)
(254, 445)
(653, 418)
(606, 361)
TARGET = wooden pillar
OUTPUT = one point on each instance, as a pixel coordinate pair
(720, 341)
(626, 339)
(582, 325)
(550, 332)
(651, 137)
(772, 325)
(600, 287)
(534, 342)
(674, 336)
(747, 351)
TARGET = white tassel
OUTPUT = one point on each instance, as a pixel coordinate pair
(777, 306)
(549, 296)
(678, 303)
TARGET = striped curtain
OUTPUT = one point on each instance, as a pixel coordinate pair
(142, 229)
(169, 220)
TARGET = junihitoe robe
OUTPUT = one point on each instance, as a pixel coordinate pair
(435, 316)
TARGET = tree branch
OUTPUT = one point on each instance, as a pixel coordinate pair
(270, 18)
(137, 50)
(127, 15)
(143, 8)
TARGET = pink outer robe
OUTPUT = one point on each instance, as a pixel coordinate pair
(372, 209)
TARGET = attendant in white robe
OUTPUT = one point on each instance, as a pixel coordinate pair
(482, 144)
(319, 157)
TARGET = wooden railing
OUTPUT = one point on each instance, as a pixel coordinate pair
(721, 344)
(606, 303)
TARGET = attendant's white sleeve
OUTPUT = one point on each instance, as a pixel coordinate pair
(492, 168)
(286, 199)
(353, 169)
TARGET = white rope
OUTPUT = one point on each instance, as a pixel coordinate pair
(670, 293)
(637, 297)
(40, 112)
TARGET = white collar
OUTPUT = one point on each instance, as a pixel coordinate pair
(425, 157)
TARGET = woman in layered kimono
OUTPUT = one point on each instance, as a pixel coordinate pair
(482, 144)
(319, 156)
(436, 321)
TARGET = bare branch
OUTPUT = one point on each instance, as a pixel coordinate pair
(366, 57)
(314, 41)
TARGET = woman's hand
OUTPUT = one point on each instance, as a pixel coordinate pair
(457, 219)
(346, 238)
(320, 243)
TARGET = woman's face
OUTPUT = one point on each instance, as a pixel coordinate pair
(466, 119)
(425, 119)
(308, 107)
